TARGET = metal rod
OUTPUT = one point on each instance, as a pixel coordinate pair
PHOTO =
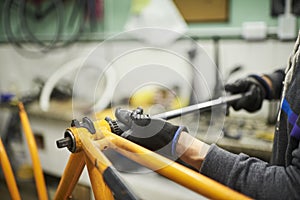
(33, 150)
(106, 181)
(200, 106)
(8, 174)
(70, 176)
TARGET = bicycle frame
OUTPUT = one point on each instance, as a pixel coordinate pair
(37, 169)
(8, 174)
(87, 147)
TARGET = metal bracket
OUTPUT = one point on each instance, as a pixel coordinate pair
(86, 123)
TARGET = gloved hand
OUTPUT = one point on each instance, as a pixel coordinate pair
(154, 134)
(257, 88)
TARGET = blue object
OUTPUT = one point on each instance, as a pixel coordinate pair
(293, 119)
(6, 97)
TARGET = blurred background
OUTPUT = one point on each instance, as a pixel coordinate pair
(68, 59)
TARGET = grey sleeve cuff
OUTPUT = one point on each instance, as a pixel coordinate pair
(217, 164)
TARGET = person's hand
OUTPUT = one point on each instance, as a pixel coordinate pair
(154, 134)
(255, 86)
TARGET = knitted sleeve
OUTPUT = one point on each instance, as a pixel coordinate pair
(253, 177)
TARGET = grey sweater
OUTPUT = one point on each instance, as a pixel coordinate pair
(279, 179)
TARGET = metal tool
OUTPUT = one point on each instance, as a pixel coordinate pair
(200, 106)
(118, 128)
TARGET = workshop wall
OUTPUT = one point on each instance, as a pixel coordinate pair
(110, 16)
(254, 57)
(263, 55)
(241, 11)
(116, 13)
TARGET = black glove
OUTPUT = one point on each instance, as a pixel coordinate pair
(254, 85)
(154, 134)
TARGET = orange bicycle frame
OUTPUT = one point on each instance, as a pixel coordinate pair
(87, 145)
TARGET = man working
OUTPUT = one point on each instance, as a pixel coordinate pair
(279, 179)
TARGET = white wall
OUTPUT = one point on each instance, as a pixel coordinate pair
(135, 64)
(17, 71)
(255, 57)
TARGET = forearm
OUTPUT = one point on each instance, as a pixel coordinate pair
(251, 176)
(191, 150)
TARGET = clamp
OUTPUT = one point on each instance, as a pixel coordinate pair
(69, 140)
